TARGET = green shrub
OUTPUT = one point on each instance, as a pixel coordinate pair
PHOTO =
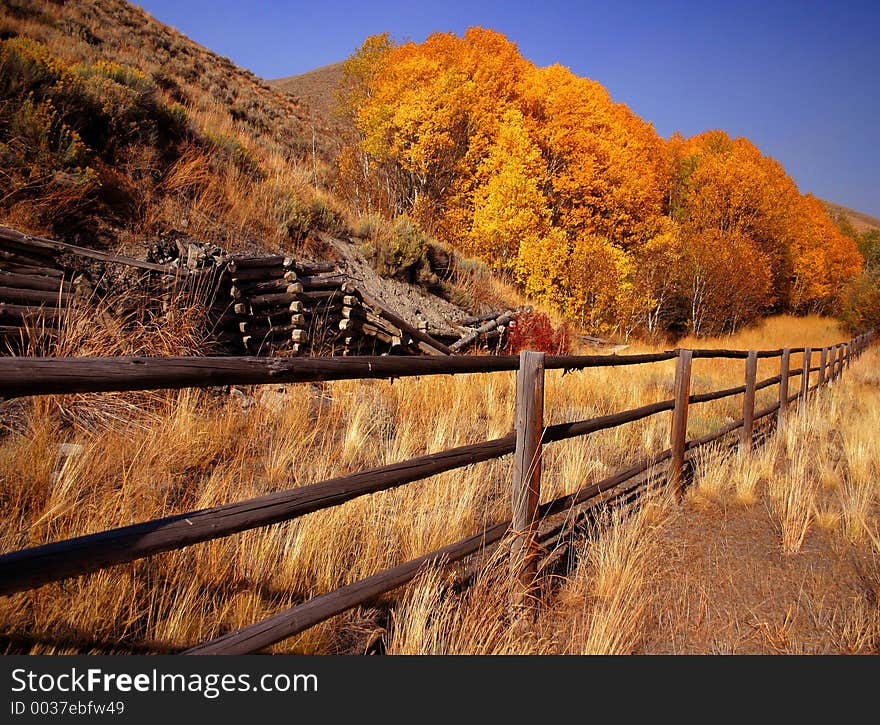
(406, 249)
(296, 217)
(459, 296)
(371, 226)
(64, 130)
(27, 67)
(124, 107)
(228, 149)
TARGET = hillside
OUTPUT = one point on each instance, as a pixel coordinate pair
(177, 137)
(120, 133)
(319, 88)
(247, 496)
(861, 222)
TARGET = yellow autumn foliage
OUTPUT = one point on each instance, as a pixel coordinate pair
(575, 198)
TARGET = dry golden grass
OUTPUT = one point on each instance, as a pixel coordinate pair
(178, 451)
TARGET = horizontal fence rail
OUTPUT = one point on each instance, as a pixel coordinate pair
(20, 376)
(23, 376)
(35, 566)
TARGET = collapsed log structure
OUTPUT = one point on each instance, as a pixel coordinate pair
(258, 305)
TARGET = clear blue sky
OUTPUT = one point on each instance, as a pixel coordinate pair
(798, 77)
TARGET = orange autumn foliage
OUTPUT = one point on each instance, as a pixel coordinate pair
(576, 199)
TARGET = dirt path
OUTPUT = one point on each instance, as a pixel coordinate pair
(727, 588)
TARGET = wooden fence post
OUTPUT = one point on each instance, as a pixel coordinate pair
(805, 378)
(848, 354)
(748, 429)
(526, 487)
(832, 364)
(784, 369)
(823, 361)
(678, 431)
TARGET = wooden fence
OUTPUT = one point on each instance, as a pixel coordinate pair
(33, 567)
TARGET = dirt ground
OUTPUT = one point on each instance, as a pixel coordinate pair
(409, 301)
(728, 588)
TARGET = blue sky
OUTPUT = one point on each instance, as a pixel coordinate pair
(800, 79)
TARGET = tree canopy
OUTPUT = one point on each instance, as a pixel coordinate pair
(575, 198)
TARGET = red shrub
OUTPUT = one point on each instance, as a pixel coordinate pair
(535, 331)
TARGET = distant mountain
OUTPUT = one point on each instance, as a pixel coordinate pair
(861, 222)
(317, 87)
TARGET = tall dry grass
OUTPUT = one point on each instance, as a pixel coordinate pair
(186, 450)
(819, 470)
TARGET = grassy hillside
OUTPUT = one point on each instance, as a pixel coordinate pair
(117, 131)
(115, 128)
(319, 88)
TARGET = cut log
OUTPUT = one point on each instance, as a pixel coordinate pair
(251, 289)
(445, 336)
(18, 313)
(314, 267)
(299, 336)
(23, 248)
(17, 331)
(33, 296)
(315, 296)
(477, 320)
(41, 244)
(329, 310)
(262, 338)
(279, 299)
(322, 282)
(31, 270)
(363, 315)
(257, 274)
(266, 290)
(19, 257)
(428, 343)
(366, 329)
(251, 329)
(33, 282)
(472, 336)
(237, 264)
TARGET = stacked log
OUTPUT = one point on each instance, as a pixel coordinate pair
(256, 305)
(281, 305)
(367, 331)
(490, 330)
(34, 290)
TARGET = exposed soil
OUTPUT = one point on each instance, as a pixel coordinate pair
(409, 301)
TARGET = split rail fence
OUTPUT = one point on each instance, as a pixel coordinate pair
(32, 567)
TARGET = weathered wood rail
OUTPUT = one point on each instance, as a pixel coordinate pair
(35, 566)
